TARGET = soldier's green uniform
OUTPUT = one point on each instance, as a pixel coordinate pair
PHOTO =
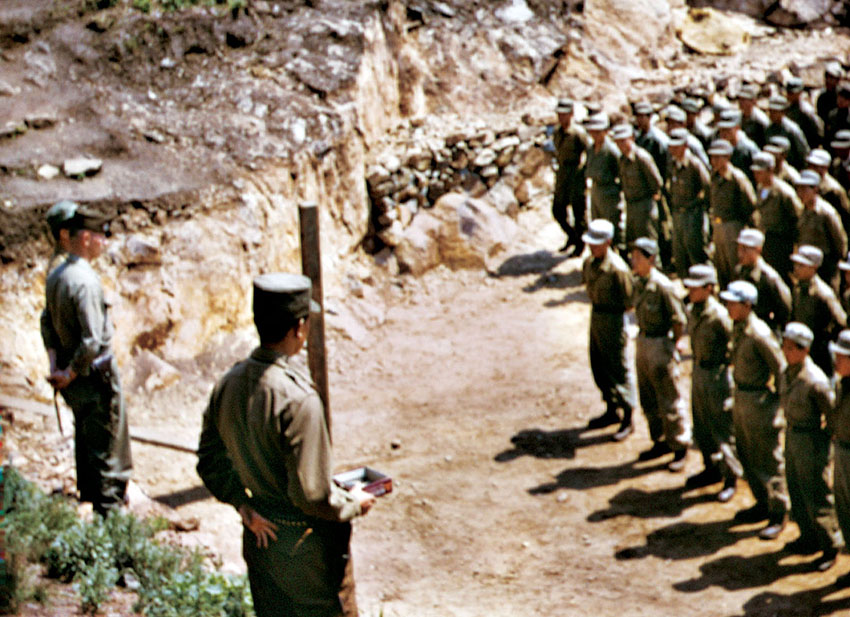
(75, 323)
(755, 125)
(710, 330)
(820, 226)
(731, 203)
(688, 185)
(807, 399)
(799, 146)
(774, 301)
(265, 443)
(603, 169)
(758, 365)
(815, 305)
(658, 310)
(610, 287)
(640, 182)
(831, 191)
(838, 424)
(778, 211)
(570, 146)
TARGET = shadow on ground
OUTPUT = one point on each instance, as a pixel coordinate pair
(581, 478)
(542, 263)
(735, 572)
(808, 603)
(649, 504)
(184, 496)
(549, 444)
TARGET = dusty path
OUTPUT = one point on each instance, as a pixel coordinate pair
(472, 396)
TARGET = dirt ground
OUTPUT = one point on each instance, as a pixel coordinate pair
(473, 395)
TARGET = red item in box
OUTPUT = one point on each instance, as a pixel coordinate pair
(368, 479)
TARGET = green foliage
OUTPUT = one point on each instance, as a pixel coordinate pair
(143, 5)
(169, 581)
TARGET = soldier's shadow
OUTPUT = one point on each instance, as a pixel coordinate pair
(582, 478)
(538, 262)
(638, 503)
(809, 602)
(735, 572)
(549, 444)
(682, 540)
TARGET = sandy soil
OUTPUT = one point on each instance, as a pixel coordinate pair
(473, 396)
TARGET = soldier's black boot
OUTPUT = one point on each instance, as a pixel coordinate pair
(606, 419)
(626, 426)
(658, 449)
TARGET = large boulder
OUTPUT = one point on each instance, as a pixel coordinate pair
(460, 232)
(798, 12)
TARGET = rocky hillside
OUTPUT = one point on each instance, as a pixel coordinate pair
(201, 130)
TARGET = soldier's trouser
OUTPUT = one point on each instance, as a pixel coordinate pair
(641, 220)
(689, 239)
(569, 193)
(754, 416)
(806, 460)
(841, 486)
(607, 348)
(662, 404)
(605, 204)
(300, 574)
(101, 439)
(725, 236)
(711, 402)
(777, 253)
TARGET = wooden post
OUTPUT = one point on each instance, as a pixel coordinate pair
(311, 265)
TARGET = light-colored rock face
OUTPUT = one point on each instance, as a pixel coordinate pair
(418, 130)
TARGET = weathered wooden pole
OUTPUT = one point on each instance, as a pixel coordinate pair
(311, 265)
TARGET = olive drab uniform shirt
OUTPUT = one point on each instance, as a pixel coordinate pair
(640, 182)
(570, 145)
(657, 307)
(831, 191)
(815, 304)
(774, 296)
(264, 434)
(799, 149)
(756, 356)
(821, 226)
(688, 183)
(777, 215)
(75, 321)
(755, 125)
(603, 169)
(731, 196)
(807, 396)
(609, 283)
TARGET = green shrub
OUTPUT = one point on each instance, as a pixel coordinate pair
(95, 556)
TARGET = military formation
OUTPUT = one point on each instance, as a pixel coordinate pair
(724, 218)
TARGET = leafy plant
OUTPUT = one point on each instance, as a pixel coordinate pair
(95, 556)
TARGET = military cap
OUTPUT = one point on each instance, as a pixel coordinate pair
(622, 131)
(800, 333)
(720, 147)
(842, 140)
(808, 178)
(592, 107)
(819, 158)
(597, 122)
(565, 106)
(61, 214)
(87, 218)
(794, 84)
(845, 265)
(777, 102)
(700, 275)
(749, 92)
(780, 141)
(692, 105)
(284, 294)
(808, 255)
(729, 119)
(842, 345)
(678, 137)
(647, 246)
(833, 69)
(598, 232)
(643, 108)
(762, 161)
(751, 237)
(676, 114)
(740, 291)
(719, 106)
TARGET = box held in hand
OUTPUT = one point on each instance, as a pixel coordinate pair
(368, 479)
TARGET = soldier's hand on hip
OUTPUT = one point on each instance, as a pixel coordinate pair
(260, 526)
